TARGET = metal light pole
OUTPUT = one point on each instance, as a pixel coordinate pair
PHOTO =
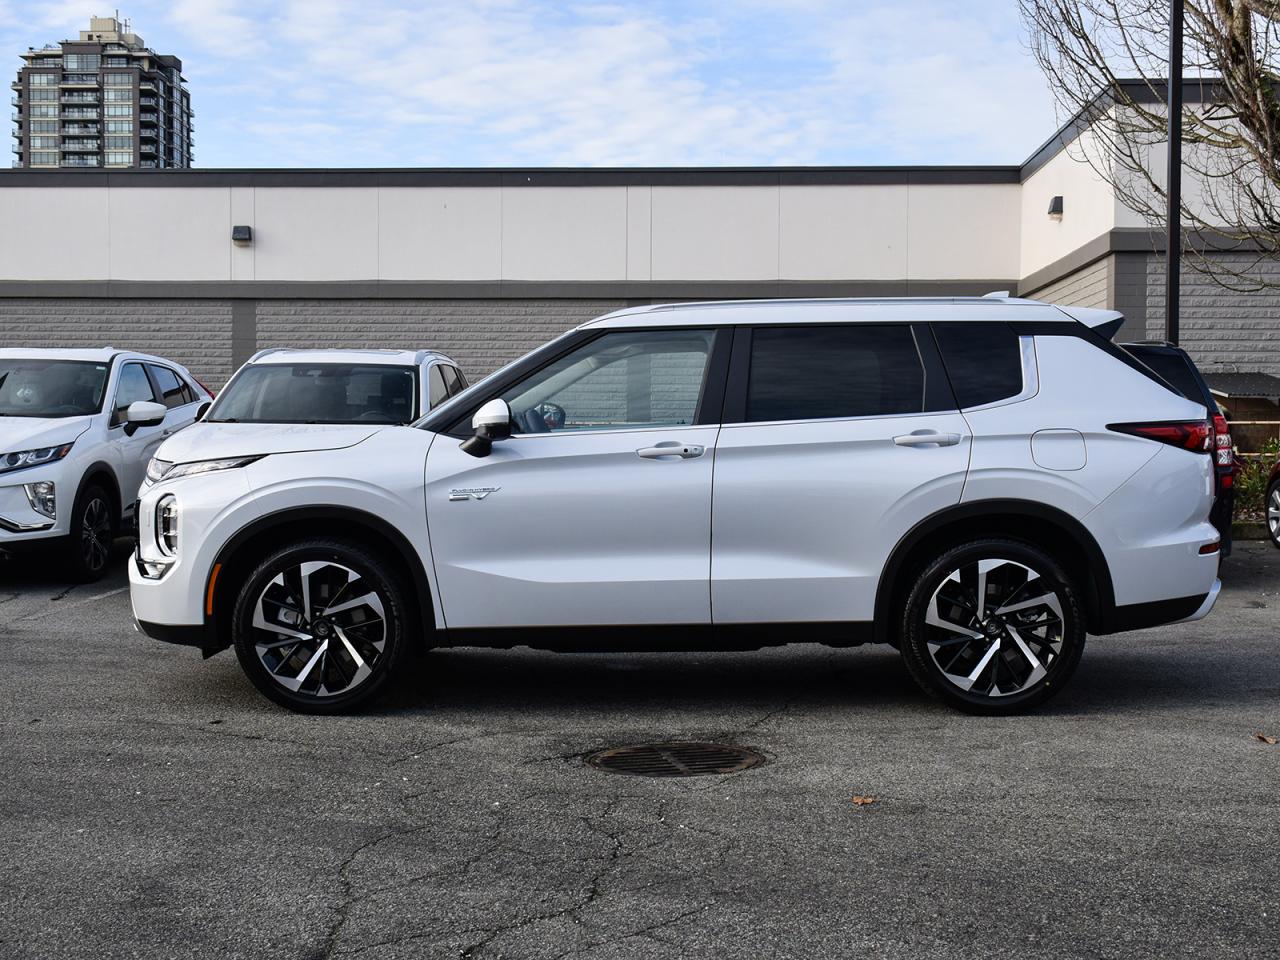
(1173, 241)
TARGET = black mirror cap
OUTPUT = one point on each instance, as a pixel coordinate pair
(203, 409)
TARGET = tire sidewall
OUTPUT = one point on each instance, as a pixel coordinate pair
(930, 676)
(371, 568)
(1273, 536)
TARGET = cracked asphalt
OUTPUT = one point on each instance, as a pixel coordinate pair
(153, 805)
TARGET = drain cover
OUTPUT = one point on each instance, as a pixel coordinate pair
(676, 759)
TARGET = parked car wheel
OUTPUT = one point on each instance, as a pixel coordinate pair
(86, 551)
(993, 626)
(320, 626)
(1273, 512)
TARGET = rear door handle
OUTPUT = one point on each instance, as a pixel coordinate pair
(671, 450)
(924, 438)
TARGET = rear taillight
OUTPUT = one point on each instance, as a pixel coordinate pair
(1223, 455)
(1196, 435)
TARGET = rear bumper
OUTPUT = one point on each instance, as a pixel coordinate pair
(1140, 616)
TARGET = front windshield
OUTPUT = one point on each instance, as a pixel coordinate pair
(51, 388)
(319, 393)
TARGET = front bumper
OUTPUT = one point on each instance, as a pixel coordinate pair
(19, 522)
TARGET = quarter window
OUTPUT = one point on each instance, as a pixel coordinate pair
(825, 372)
(983, 361)
(133, 386)
(625, 380)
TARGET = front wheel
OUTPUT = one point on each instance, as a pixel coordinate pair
(994, 626)
(320, 626)
(87, 548)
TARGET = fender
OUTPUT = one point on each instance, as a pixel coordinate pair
(100, 468)
(309, 514)
(1103, 602)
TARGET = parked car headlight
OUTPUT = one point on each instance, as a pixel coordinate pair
(171, 471)
(158, 469)
(32, 458)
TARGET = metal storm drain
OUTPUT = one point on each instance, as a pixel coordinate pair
(676, 759)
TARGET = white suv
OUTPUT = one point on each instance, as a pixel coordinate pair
(77, 428)
(977, 481)
(281, 400)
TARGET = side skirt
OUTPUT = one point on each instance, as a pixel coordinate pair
(663, 638)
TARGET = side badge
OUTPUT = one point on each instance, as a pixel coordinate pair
(471, 493)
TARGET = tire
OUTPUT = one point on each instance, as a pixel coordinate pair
(1006, 665)
(1273, 513)
(86, 550)
(323, 659)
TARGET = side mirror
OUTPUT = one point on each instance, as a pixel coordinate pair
(203, 409)
(143, 413)
(491, 422)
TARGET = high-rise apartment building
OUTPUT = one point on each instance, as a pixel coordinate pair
(105, 100)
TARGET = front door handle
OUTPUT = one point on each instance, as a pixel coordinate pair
(671, 450)
(924, 438)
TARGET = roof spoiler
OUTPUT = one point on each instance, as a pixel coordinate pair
(1106, 323)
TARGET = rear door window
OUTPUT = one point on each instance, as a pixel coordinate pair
(173, 392)
(983, 361)
(826, 372)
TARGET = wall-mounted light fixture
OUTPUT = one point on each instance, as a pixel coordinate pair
(242, 236)
(1055, 208)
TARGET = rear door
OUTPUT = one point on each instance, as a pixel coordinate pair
(837, 440)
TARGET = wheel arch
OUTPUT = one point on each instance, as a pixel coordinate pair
(101, 473)
(237, 557)
(1025, 520)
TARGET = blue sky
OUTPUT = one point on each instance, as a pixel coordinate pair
(391, 83)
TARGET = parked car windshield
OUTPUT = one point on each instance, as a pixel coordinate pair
(319, 393)
(51, 388)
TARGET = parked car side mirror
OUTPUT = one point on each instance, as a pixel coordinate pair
(491, 422)
(203, 409)
(143, 413)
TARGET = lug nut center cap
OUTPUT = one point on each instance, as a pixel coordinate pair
(323, 629)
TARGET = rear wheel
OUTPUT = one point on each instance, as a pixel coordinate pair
(320, 626)
(994, 626)
(86, 551)
(1273, 512)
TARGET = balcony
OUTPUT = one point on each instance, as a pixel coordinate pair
(148, 164)
(16, 148)
(79, 98)
(148, 101)
(80, 113)
(16, 101)
(147, 118)
(85, 81)
(80, 161)
(146, 148)
(81, 146)
(74, 129)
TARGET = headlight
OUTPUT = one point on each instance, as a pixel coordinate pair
(167, 525)
(32, 458)
(173, 471)
(158, 469)
(43, 498)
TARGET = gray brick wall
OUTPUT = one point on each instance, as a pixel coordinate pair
(481, 335)
(195, 333)
(1223, 330)
(1084, 288)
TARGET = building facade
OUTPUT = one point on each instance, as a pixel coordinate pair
(104, 100)
(207, 266)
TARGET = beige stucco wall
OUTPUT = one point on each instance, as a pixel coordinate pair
(850, 232)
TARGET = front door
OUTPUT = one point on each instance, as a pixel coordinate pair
(134, 447)
(597, 511)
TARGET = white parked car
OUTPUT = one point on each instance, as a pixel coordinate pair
(978, 481)
(77, 429)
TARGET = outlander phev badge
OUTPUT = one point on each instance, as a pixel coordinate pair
(471, 493)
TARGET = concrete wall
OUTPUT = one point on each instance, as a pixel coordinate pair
(1084, 288)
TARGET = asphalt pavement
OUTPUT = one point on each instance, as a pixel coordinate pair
(153, 805)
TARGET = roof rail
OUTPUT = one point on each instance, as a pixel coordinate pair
(998, 295)
(263, 353)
